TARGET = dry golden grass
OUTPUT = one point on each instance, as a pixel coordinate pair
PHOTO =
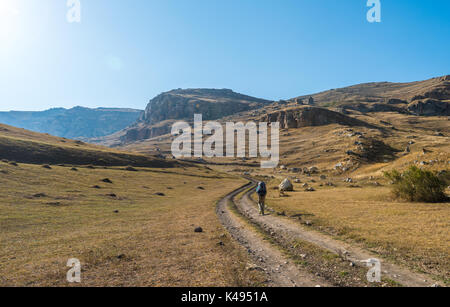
(149, 242)
(415, 234)
(378, 91)
(24, 146)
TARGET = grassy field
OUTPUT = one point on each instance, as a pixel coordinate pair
(122, 232)
(415, 234)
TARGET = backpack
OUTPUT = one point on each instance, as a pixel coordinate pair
(261, 189)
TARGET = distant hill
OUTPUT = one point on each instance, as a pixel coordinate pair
(422, 98)
(212, 103)
(430, 97)
(75, 123)
(181, 104)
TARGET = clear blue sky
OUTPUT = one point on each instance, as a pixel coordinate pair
(123, 53)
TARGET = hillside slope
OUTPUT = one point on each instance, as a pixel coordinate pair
(429, 97)
(24, 146)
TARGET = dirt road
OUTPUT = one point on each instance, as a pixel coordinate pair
(280, 271)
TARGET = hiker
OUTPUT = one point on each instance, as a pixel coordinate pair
(261, 190)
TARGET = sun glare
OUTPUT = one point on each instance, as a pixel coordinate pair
(7, 8)
(8, 21)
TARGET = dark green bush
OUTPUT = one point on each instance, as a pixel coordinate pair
(418, 185)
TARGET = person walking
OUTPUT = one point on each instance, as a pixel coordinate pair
(261, 190)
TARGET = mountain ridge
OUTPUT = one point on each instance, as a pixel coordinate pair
(77, 122)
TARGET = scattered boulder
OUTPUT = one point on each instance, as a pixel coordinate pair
(96, 187)
(112, 195)
(297, 181)
(106, 180)
(348, 180)
(54, 204)
(201, 188)
(40, 195)
(198, 230)
(74, 169)
(160, 194)
(131, 169)
(310, 189)
(286, 186)
(47, 166)
(313, 170)
(323, 177)
(339, 166)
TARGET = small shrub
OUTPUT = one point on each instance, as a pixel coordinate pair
(417, 185)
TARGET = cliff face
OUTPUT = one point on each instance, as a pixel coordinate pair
(142, 131)
(166, 108)
(310, 116)
(211, 103)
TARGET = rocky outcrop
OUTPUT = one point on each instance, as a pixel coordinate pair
(430, 107)
(374, 107)
(310, 116)
(298, 101)
(440, 93)
(169, 107)
(385, 95)
(395, 101)
(211, 103)
(143, 132)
